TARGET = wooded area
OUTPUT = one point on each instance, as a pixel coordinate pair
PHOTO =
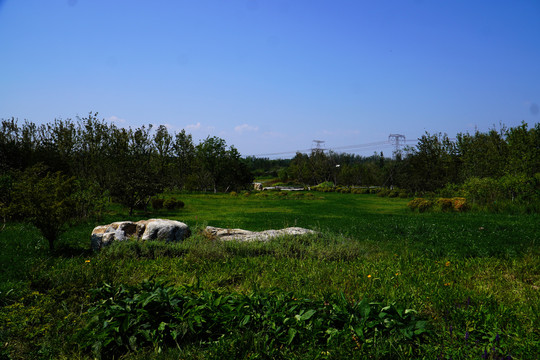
(132, 165)
(128, 164)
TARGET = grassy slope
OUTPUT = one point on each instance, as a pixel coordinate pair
(479, 273)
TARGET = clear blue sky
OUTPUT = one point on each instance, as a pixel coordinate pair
(272, 75)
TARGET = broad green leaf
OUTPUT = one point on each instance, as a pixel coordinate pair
(292, 334)
(307, 315)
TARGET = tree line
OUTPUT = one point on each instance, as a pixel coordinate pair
(130, 165)
(487, 166)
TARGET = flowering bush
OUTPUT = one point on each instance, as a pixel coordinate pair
(460, 204)
(420, 203)
(445, 204)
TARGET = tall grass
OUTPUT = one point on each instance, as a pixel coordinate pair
(474, 278)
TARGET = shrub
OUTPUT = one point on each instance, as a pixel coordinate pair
(363, 191)
(173, 204)
(413, 204)
(233, 193)
(326, 184)
(482, 191)
(450, 190)
(393, 193)
(445, 204)
(425, 205)
(383, 192)
(460, 204)
(403, 194)
(420, 203)
(157, 203)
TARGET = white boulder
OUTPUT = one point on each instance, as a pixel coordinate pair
(246, 235)
(153, 229)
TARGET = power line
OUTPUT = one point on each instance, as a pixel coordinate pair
(397, 144)
(366, 146)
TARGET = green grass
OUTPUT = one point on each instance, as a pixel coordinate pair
(470, 276)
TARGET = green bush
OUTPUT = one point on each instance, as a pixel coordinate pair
(157, 203)
(482, 191)
(383, 192)
(403, 194)
(173, 204)
(393, 193)
(420, 204)
(445, 204)
(233, 193)
(425, 205)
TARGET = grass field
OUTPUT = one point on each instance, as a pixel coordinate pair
(472, 280)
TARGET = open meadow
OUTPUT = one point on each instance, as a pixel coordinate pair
(378, 282)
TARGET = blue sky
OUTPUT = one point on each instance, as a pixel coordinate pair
(272, 76)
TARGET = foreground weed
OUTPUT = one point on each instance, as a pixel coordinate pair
(158, 316)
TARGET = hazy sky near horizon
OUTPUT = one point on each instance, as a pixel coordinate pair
(272, 76)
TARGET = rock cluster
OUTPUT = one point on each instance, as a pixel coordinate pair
(152, 229)
(171, 230)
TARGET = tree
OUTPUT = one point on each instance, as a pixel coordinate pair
(163, 144)
(482, 154)
(300, 168)
(431, 164)
(45, 200)
(184, 152)
(523, 150)
(219, 168)
(133, 178)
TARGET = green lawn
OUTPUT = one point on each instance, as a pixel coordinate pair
(474, 278)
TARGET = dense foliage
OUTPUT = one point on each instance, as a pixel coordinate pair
(493, 169)
(159, 316)
(131, 165)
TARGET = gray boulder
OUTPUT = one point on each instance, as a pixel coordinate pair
(168, 230)
(153, 229)
(246, 235)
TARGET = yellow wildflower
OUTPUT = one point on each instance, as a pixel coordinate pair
(369, 276)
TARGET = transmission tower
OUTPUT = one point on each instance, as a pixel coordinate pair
(398, 140)
(317, 145)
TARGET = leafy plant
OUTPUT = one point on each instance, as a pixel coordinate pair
(45, 200)
(173, 204)
(157, 315)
